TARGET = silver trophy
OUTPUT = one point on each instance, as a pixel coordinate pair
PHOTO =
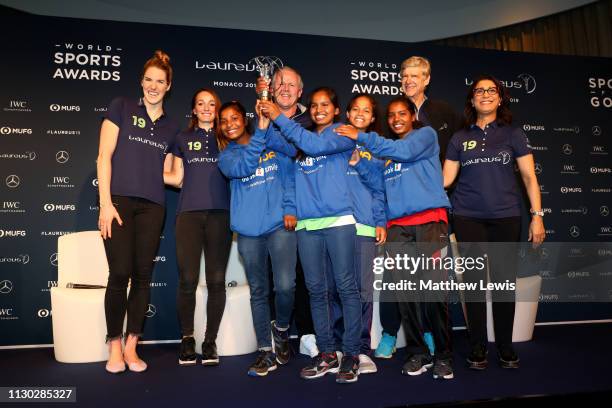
(266, 66)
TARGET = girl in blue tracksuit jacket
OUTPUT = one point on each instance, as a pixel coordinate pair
(416, 210)
(262, 213)
(326, 229)
(369, 211)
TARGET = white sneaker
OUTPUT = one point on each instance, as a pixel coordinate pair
(308, 345)
(366, 365)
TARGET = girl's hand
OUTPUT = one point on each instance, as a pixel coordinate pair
(290, 222)
(381, 235)
(347, 130)
(108, 213)
(263, 121)
(355, 157)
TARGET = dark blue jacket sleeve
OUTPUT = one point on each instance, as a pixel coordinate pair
(371, 175)
(418, 145)
(311, 143)
(242, 161)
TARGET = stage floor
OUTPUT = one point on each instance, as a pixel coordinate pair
(560, 360)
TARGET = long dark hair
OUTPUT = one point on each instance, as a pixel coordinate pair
(504, 114)
(416, 124)
(375, 125)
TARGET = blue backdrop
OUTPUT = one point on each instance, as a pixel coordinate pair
(60, 74)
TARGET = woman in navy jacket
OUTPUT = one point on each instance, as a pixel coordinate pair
(135, 137)
(487, 206)
(202, 222)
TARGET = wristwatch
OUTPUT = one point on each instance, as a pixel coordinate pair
(538, 212)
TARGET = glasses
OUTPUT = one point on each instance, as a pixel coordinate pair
(481, 91)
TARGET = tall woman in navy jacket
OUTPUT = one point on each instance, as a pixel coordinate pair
(202, 222)
(487, 205)
(416, 210)
(134, 139)
(263, 215)
(326, 228)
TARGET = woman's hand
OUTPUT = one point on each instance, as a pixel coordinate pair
(290, 222)
(381, 235)
(537, 233)
(355, 157)
(108, 213)
(347, 130)
(269, 109)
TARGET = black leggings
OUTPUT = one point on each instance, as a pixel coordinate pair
(130, 254)
(209, 229)
(500, 268)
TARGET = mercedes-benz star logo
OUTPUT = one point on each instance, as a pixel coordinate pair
(574, 231)
(62, 156)
(596, 130)
(567, 149)
(12, 181)
(604, 211)
(151, 310)
(538, 168)
(6, 286)
(53, 259)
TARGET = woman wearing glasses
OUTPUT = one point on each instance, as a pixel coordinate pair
(487, 205)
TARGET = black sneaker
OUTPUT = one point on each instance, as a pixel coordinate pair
(187, 354)
(209, 354)
(507, 356)
(349, 370)
(477, 360)
(443, 369)
(320, 365)
(265, 362)
(281, 344)
(417, 364)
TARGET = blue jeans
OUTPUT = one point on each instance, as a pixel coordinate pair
(365, 252)
(280, 245)
(337, 243)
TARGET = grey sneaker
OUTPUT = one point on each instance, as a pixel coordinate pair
(366, 365)
(417, 364)
(443, 369)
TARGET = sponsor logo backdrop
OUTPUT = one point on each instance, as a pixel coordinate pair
(60, 74)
